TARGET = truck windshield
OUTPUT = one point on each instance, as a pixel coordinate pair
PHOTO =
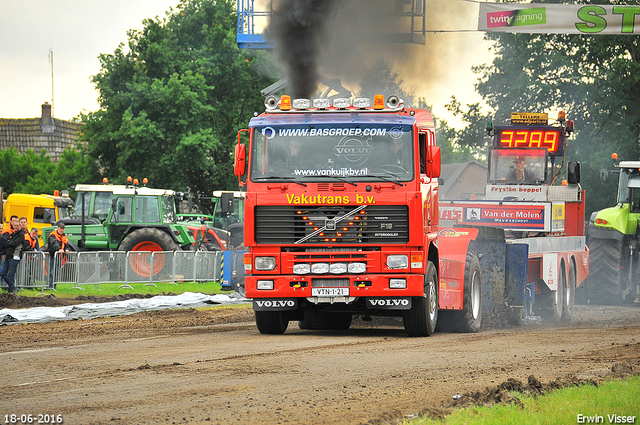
(517, 166)
(334, 152)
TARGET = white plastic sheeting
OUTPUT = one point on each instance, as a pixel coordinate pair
(117, 308)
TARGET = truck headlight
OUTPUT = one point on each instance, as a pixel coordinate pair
(265, 263)
(338, 268)
(302, 268)
(398, 261)
(357, 267)
(264, 284)
(320, 268)
(398, 283)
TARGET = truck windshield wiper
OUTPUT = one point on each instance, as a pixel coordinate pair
(342, 179)
(387, 179)
(289, 179)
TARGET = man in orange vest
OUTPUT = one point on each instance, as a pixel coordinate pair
(14, 242)
(32, 239)
(58, 242)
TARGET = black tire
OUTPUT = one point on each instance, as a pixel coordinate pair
(149, 235)
(469, 319)
(570, 294)
(323, 321)
(271, 322)
(147, 239)
(422, 318)
(605, 282)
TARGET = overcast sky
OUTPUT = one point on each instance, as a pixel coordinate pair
(79, 30)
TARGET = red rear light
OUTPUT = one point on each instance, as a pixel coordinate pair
(601, 221)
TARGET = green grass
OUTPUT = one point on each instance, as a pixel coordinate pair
(113, 289)
(563, 406)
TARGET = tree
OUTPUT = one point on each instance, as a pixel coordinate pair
(74, 166)
(16, 168)
(32, 173)
(172, 103)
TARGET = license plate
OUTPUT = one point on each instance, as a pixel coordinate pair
(330, 292)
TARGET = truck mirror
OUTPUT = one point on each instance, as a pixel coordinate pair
(433, 161)
(573, 172)
(226, 202)
(240, 160)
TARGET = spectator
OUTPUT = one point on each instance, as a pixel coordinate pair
(14, 241)
(58, 242)
(24, 225)
(33, 244)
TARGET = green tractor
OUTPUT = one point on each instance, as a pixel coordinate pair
(613, 238)
(125, 218)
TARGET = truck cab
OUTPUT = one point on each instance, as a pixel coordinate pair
(40, 210)
(340, 213)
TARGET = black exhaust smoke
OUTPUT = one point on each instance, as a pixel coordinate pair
(357, 42)
(297, 30)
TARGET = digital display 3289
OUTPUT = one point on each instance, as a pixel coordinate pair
(548, 138)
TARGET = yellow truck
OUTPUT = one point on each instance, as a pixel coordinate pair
(41, 210)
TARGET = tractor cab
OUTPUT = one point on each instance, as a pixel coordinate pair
(629, 185)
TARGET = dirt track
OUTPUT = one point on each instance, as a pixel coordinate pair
(212, 366)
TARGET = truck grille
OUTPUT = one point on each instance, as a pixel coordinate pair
(290, 225)
(329, 283)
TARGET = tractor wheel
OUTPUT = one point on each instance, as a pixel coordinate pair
(422, 318)
(570, 294)
(469, 319)
(605, 271)
(147, 239)
(323, 321)
(271, 322)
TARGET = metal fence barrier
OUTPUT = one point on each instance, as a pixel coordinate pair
(36, 270)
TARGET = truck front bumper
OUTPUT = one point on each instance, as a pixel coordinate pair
(351, 286)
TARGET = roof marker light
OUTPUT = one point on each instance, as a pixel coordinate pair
(378, 101)
(285, 103)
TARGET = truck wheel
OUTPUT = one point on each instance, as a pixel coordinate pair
(605, 276)
(469, 319)
(271, 322)
(422, 318)
(553, 301)
(147, 239)
(322, 321)
(570, 294)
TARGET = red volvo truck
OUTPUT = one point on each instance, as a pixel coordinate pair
(341, 213)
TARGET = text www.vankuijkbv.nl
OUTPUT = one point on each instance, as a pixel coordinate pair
(340, 172)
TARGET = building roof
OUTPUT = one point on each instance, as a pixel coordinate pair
(455, 183)
(48, 133)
